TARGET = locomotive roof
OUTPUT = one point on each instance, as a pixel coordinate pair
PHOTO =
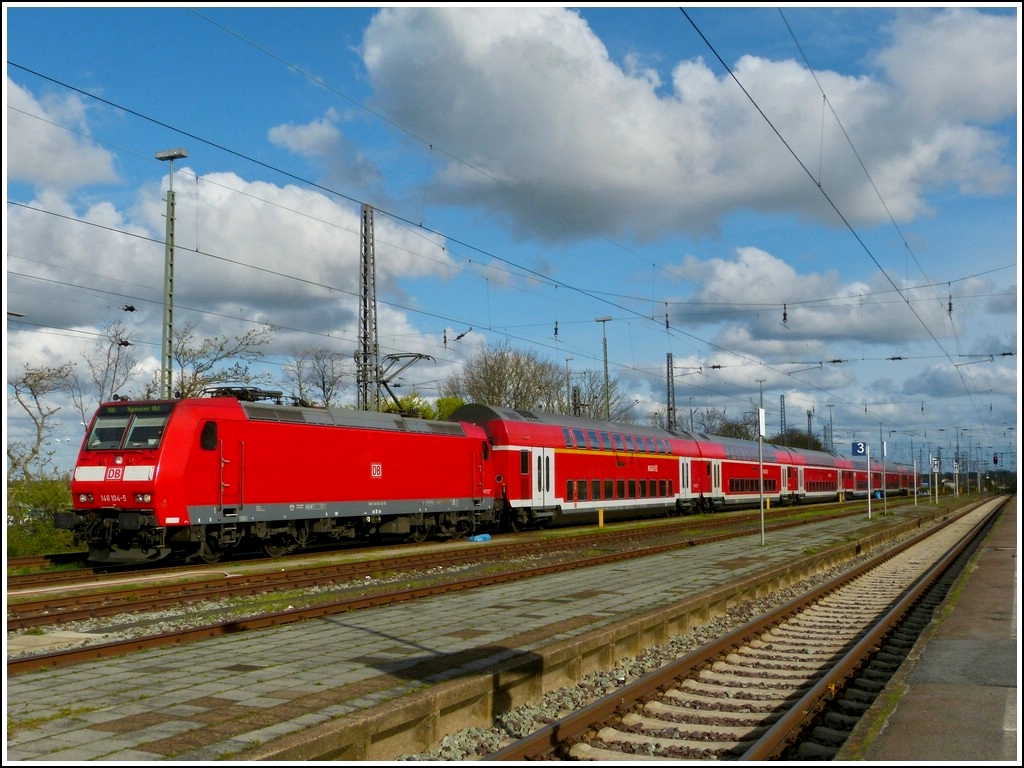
(348, 417)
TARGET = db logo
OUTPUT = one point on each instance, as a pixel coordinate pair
(115, 473)
(376, 470)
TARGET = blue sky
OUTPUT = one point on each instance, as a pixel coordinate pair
(790, 186)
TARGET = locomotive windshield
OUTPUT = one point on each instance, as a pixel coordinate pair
(128, 426)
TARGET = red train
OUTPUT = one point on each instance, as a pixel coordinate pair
(199, 478)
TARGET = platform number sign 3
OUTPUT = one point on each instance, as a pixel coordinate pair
(859, 449)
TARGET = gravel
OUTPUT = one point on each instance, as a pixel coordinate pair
(472, 743)
(476, 743)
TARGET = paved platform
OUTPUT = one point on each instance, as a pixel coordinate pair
(957, 697)
(224, 698)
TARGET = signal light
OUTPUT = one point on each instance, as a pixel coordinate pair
(995, 458)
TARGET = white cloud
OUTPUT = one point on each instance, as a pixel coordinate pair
(615, 156)
(48, 144)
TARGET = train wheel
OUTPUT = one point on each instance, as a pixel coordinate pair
(209, 554)
(278, 546)
(210, 550)
(417, 535)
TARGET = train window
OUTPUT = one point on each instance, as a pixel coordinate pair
(641, 489)
(629, 442)
(568, 437)
(581, 488)
(107, 432)
(595, 489)
(145, 431)
(651, 448)
(208, 437)
(606, 441)
(620, 489)
(617, 438)
(581, 441)
(592, 436)
(524, 462)
(570, 490)
(632, 489)
(609, 491)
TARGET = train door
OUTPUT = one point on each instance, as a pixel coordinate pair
(231, 451)
(716, 481)
(543, 477)
(683, 483)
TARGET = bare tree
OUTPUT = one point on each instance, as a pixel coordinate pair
(206, 362)
(710, 421)
(32, 391)
(111, 365)
(512, 378)
(506, 377)
(587, 398)
(317, 375)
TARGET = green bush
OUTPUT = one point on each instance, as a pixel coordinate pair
(31, 505)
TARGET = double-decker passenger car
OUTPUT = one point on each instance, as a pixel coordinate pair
(558, 469)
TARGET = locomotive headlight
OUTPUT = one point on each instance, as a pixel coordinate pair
(119, 459)
(143, 498)
(85, 498)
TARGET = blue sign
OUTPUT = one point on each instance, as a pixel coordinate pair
(859, 449)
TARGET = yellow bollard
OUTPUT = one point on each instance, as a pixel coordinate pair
(600, 518)
(767, 503)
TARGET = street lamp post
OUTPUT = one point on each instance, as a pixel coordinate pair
(607, 392)
(167, 343)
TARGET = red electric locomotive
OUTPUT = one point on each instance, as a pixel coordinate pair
(201, 477)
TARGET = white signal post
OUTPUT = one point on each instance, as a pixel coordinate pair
(868, 449)
(760, 464)
(863, 449)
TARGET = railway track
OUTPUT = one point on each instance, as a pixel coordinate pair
(35, 602)
(25, 573)
(788, 685)
(322, 588)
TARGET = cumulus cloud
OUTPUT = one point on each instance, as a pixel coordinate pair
(654, 163)
(48, 145)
